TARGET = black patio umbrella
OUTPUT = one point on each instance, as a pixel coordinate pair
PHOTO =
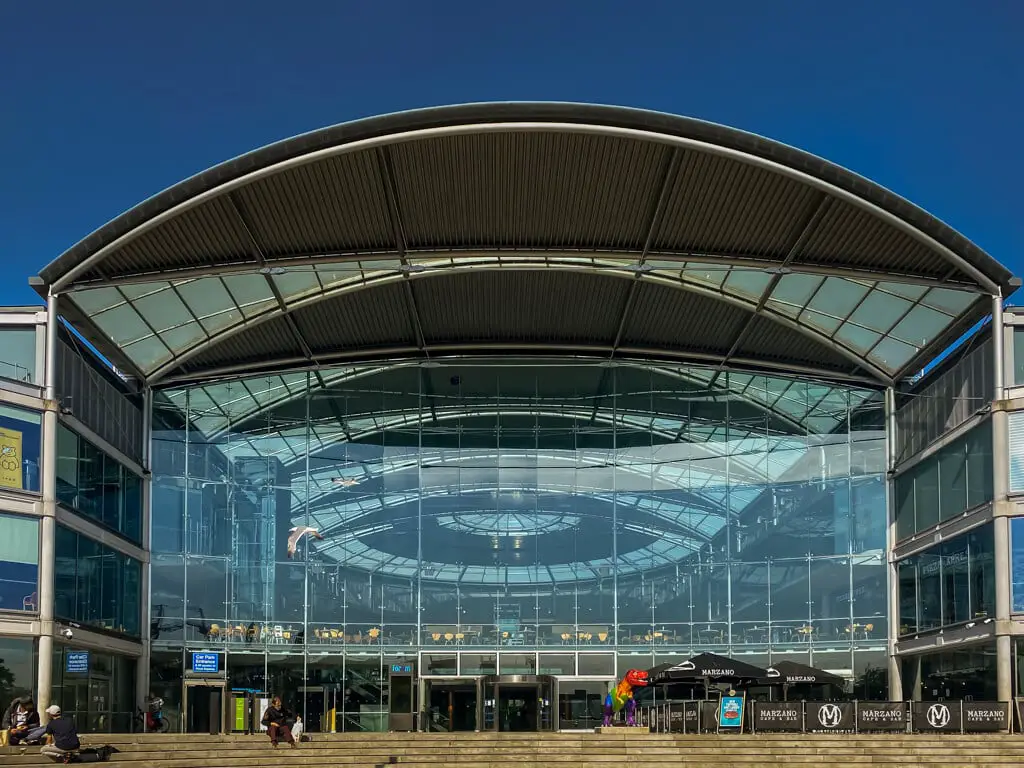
(789, 673)
(708, 668)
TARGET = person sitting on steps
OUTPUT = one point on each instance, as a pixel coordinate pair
(278, 721)
(24, 728)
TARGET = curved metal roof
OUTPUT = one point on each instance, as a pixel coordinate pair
(527, 228)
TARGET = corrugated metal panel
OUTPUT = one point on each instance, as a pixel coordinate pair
(527, 189)
(847, 236)
(97, 403)
(521, 306)
(951, 398)
(767, 339)
(717, 205)
(337, 205)
(681, 320)
(265, 341)
(208, 234)
(377, 316)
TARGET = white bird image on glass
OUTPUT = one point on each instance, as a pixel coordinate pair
(344, 481)
(297, 533)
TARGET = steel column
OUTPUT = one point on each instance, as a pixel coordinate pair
(48, 524)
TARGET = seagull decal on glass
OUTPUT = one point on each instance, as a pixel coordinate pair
(344, 481)
(297, 533)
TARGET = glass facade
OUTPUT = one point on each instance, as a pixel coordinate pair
(951, 583)
(17, 667)
(98, 486)
(1017, 564)
(100, 698)
(949, 482)
(95, 585)
(969, 673)
(18, 354)
(482, 513)
(19, 449)
(19, 563)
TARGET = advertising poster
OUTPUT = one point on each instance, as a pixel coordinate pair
(730, 713)
(10, 459)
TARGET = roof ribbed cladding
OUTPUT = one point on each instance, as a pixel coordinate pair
(336, 205)
(846, 236)
(270, 339)
(209, 233)
(555, 307)
(680, 319)
(526, 190)
(722, 206)
(768, 339)
(598, 188)
(360, 319)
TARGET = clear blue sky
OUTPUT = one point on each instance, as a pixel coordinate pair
(105, 103)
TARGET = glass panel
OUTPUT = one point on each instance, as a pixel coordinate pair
(96, 585)
(18, 354)
(97, 486)
(20, 446)
(19, 563)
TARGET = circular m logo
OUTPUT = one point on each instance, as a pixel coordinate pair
(938, 715)
(829, 715)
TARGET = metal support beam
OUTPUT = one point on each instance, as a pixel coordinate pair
(261, 262)
(48, 524)
(145, 588)
(806, 230)
(387, 174)
(998, 333)
(668, 176)
(1001, 524)
(892, 576)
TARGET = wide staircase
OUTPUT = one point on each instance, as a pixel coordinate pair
(619, 749)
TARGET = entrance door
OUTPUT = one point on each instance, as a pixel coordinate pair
(518, 707)
(581, 704)
(452, 707)
(203, 706)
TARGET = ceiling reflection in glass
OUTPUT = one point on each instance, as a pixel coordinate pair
(530, 472)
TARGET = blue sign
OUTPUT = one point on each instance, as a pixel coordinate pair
(730, 715)
(401, 668)
(76, 661)
(206, 663)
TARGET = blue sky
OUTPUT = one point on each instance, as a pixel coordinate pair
(105, 104)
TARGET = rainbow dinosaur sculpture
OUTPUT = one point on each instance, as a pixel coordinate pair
(622, 695)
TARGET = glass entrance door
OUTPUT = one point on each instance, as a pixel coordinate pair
(518, 708)
(203, 706)
(581, 704)
(452, 707)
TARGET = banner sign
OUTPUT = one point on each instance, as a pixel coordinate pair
(709, 717)
(778, 716)
(826, 716)
(76, 661)
(676, 718)
(206, 663)
(10, 459)
(691, 717)
(881, 716)
(938, 716)
(986, 716)
(730, 712)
